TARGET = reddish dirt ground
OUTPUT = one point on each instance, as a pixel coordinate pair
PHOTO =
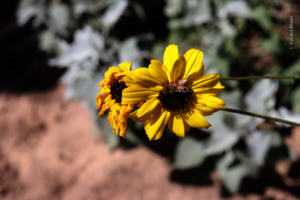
(47, 151)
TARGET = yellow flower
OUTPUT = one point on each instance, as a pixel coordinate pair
(177, 92)
(112, 87)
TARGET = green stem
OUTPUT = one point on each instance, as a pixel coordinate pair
(261, 116)
(255, 77)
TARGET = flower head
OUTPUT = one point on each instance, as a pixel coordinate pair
(177, 92)
(110, 97)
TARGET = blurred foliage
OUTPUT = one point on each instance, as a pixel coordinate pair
(238, 38)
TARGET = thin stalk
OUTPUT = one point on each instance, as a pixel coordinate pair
(260, 116)
(255, 77)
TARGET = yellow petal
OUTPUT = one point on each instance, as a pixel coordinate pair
(194, 60)
(157, 69)
(112, 117)
(196, 75)
(217, 89)
(164, 68)
(106, 106)
(178, 69)
(177, 125)
(213, 102)
(105, 90)
(122, 118)
(209, 80)
(129, 79)
(196, 99)
(128, 109)
(125, 66)
(100, 99)
(122, 124)
(156, 125)
(205, 111)
(136, 94)
(119, 74)
(134, 117)
(170, 56)
(186, 125)
(123, 127)
(108, 98)
(201, 105)
(147, 109)
(195, 119)
(102, 83)
(109, 75)
(143, 77)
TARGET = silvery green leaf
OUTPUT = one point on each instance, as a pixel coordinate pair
(226, 28)
(139, 10)
(173, 7)
(89, 6)
(189, 153)
(295, 100)
(212, 41)
(82, 84)
(233, 97)
(96, 120)
(217, 119)
(113, 13)
(158, 51)
(259, 143)
(48, 42)
(222, 138)
(293, 155)
(91, 93)
(262, 17)
(287, 115)
(250, 165)
(272, 44)
(261, 97)
(31, 8)
(242, 123)
(219, 4)
(129, 51)
(86, 46)
(222, 65)
(231, 176)
(197, 12)
(130, 136)
(231, 47)
(294, 67)
(276, 139)
(79, 84)
(220, 143)
(209, 67)
(111, 139)
(174, 24)
(238, 8)
(59, 17)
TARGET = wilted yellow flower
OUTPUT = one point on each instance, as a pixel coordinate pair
(177, 92)
(110, 97)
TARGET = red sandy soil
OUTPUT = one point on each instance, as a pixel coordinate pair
(47, 151)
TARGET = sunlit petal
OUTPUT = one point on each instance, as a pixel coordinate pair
(170, 56)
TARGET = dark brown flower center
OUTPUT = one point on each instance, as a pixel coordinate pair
(116, 90)
(173, 99)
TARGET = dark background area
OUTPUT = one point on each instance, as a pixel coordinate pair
(24, 67)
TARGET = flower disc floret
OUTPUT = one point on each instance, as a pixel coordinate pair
(173, 101)
(116, 89)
